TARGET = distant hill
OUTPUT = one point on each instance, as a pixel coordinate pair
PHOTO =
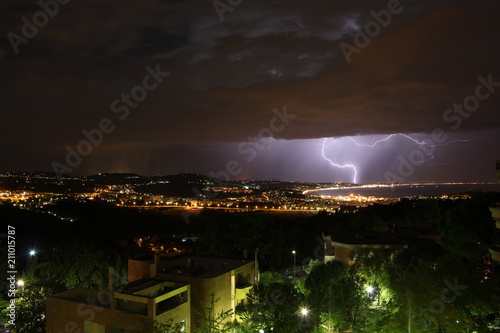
(186, 185)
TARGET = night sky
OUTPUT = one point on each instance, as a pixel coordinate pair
(208, 83)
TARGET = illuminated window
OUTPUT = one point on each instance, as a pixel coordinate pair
(90, 327)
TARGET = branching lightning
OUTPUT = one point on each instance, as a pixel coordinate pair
(456, 140)
(336, 164)
(387, 139)
(271, 140)
(426, 146)
(354, 153)
(430, 147)
(352, 166)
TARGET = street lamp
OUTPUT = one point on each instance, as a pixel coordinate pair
(293, 252)
(20, 283)
(373, 294)
(32, 253)
(304, 312)
(255, 269)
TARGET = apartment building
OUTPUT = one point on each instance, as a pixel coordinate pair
(161, 288)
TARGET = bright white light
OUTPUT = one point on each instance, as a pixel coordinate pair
(369, 289)
(32, 252)
(354, 180)
(304, 312)
(261, 331)
(20, 283)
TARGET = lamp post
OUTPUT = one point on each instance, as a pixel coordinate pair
(293, 252)
(256, 270)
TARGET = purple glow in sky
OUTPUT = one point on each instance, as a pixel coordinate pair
(361, 159)
(353, 121)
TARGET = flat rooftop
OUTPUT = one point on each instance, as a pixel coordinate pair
(139, 286)
(366, 238)
(196, 266)
(415, 231)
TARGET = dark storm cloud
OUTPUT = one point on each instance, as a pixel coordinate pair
(226, 77)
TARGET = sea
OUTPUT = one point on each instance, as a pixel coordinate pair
(401, 191)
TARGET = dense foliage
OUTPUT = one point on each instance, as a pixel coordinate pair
(449, 286)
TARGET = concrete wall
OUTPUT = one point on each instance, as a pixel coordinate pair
(65, 316)
(176, 315)
(495, 213)
(200, 294)
(68, 311)
(138, 270)
(223, 286)
(349, 255)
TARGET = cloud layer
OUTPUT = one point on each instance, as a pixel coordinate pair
(227, 76)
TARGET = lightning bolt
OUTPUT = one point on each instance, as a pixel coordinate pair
(353, 167)
(424, 142)
(387, 139)
(456, 140)
(372, 145)
(271, 140)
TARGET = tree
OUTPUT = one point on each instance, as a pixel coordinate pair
(444, 295)
(337, 294)
(268, 278)
(375, 272)
(30, 307)
(168, 327)
(467, 229)
(230, 234)
(311, 265)
(215, 322)
(272, 307)
(77, 264)
(3, 310)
